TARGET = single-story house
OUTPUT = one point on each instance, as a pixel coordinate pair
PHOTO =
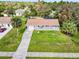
(43, 24)
(5, 22)
(19, 12)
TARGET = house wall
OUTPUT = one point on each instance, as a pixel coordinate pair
(5, 25)
(46, 28)
(18, 14)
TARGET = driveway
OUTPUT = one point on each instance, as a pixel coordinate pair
(23, 47)
(5, 32)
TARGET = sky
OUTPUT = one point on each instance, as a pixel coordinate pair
(44, 0)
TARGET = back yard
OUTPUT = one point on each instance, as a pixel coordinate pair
(52, 41)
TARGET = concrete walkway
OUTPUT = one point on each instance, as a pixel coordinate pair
(23, 47)
(42, 54)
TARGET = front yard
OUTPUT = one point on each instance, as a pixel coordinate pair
(11, 41)
(52, 41)
(5, 57)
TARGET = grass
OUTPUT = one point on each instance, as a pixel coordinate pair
(52, 41)
(5, 57)
(76, 38)
(11, 41)
(48, 58)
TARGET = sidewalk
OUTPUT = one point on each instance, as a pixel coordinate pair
(52, 54)
(41, 54)
(8, 54)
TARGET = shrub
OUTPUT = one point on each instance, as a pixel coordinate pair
(69, 27)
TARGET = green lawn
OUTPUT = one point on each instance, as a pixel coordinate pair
(76, 37)
(48, 58)
(5, 57)
(11, 41)
(52, 41)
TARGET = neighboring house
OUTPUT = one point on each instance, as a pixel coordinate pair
(19, 12)
(5, 26)
(5, 22)
(43, 24)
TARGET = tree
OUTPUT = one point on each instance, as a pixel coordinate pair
(42, 9)
(69, 27)
(1, 15)
(34, 12)
(17, 21)
(2, 8)
(53, 14)
(26, 14)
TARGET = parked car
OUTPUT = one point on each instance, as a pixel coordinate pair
(2, 30)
